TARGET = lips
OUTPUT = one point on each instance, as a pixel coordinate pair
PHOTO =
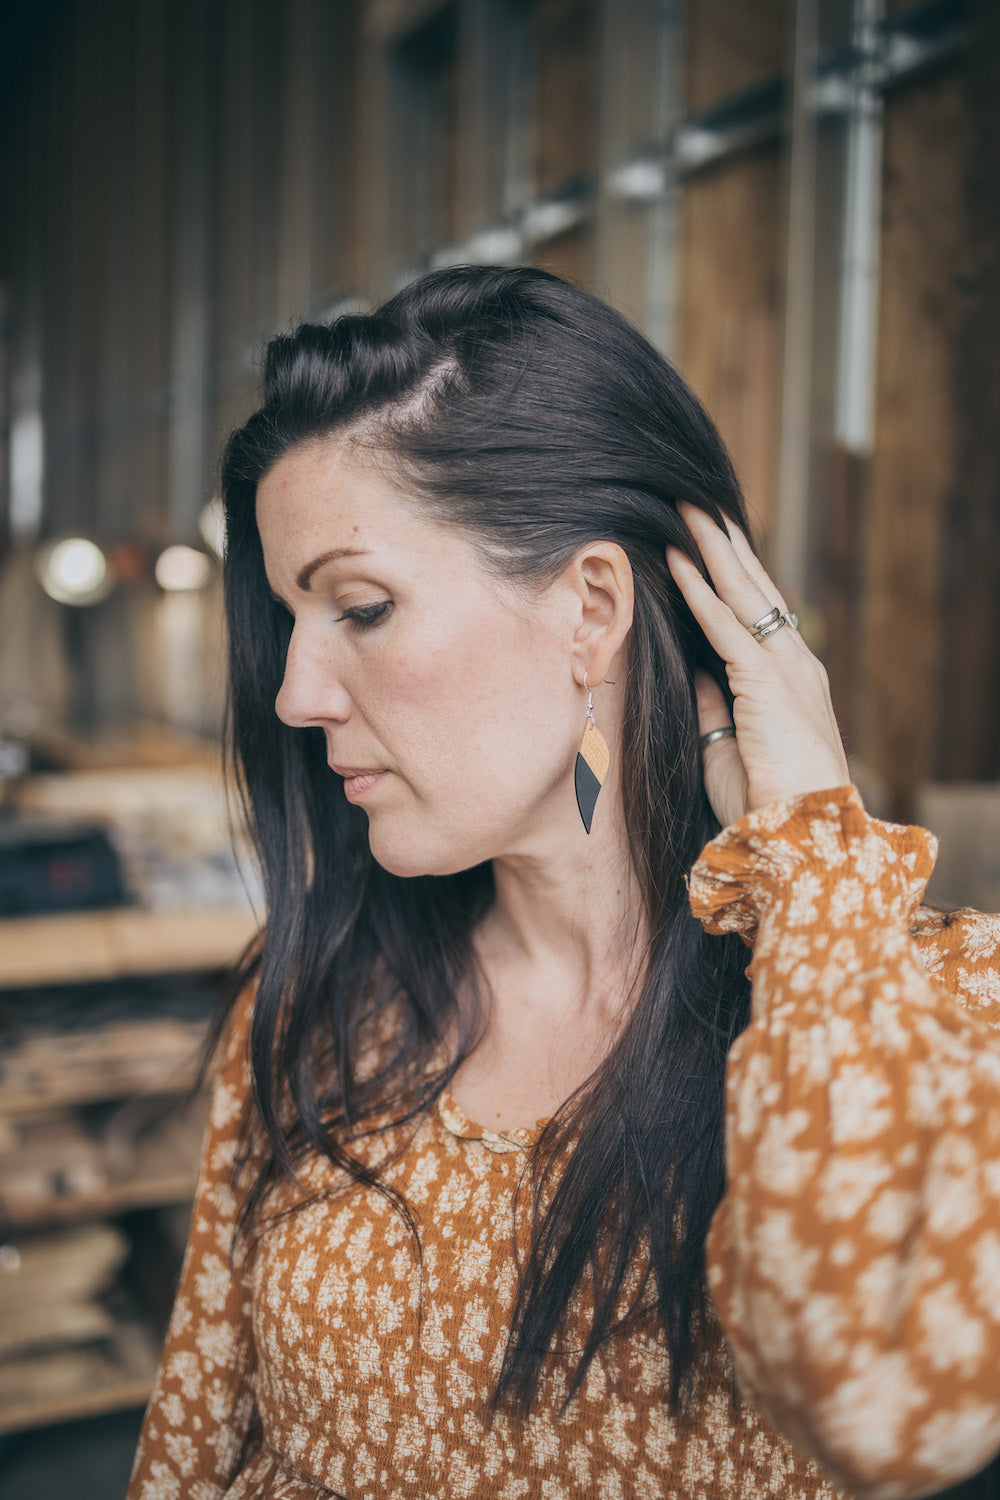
(348, 772)
(358, 780)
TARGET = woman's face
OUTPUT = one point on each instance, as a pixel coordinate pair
(447, 697)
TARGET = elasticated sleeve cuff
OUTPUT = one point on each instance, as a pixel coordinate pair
(806, 846)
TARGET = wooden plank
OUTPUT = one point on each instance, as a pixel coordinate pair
(566, 91)
(149, 308)
(388, 20)
(570, 255)
(968, 730)
(294, 227)
(912, 467)
(732, 245)
(112, 374)
(89, 1401)
(733, 45)
(232, 304)
(68, 1384)
(417, 142)
(191, 40)
(335, 155)
(51, 1072)
(155, 1192)
(113, 944)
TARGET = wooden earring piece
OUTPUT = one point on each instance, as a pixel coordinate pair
(592, 761)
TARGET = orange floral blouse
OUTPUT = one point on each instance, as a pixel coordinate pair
(854, 1263)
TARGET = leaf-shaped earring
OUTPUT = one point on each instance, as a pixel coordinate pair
(592, 761)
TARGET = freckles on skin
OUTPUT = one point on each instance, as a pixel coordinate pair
(462, 701)
(465, 693)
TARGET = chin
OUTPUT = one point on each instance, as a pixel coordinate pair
(408, 859)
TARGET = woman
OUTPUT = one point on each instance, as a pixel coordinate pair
(452, 1234)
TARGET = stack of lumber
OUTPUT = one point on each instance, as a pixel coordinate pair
(80, 1163)
(50, 1287)
(53, 1385)
(46, 1069)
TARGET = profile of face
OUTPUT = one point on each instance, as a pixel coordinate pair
(451, 700)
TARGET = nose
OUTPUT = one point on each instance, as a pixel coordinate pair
(311, 693)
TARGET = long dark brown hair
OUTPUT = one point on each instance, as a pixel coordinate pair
(536, 419)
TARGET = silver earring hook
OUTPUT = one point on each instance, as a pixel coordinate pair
(590, 695)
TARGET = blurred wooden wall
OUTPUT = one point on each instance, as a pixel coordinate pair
(181, 179)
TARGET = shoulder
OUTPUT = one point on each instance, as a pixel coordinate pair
(232, 1085)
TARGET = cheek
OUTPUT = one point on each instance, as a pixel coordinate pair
(481, 709)
(431, 708)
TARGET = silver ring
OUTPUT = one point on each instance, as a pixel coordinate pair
(772, 622)
(710, 738)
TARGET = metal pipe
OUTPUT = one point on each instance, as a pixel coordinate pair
(854, 400)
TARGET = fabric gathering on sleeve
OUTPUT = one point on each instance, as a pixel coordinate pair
(855, 1257)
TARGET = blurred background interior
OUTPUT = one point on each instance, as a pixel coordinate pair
(797, 200)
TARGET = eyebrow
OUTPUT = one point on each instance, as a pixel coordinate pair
(305, 574)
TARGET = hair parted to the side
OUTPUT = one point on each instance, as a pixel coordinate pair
(536, 419)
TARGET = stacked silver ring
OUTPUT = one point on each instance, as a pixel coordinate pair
(775, 619)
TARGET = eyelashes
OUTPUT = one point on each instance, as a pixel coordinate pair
(359, 617)
(365, 616)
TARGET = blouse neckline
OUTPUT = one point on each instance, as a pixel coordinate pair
(457, 1123)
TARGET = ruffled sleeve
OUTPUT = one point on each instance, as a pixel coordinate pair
(855, 1258)
(203, 1403)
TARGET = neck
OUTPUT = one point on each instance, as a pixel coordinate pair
(566, 931)
(561, 950)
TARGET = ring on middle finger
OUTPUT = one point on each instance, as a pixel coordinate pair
(776, 620)
(771, 622)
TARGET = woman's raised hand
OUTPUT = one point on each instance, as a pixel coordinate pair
(787, 740)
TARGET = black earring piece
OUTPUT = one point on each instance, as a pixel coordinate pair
(592, 762)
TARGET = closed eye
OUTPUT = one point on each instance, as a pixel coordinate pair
(364, 616)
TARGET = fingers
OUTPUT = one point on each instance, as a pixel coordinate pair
(724, 774)
(724, 632)
(713, 710)
(740, 581)
(753, 565)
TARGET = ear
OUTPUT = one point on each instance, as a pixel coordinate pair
(600, 575)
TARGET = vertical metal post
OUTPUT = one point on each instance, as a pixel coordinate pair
(23, 317)
(519, 88)
(640, 89)
(663, 251)
(854, 406)
(27, 432)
